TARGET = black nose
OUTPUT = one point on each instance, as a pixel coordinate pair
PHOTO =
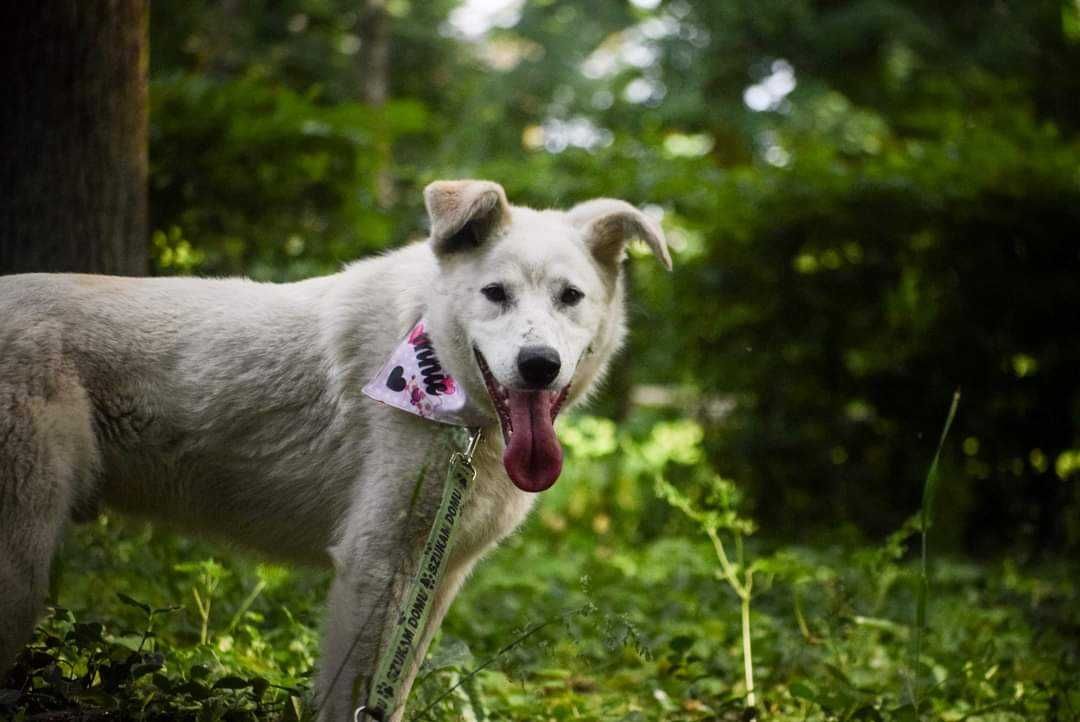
(538, 365)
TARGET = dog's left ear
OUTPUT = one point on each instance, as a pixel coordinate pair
(608, 224)
(464, 213)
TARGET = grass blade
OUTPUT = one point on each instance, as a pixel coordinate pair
(930, 485)
(925, 518)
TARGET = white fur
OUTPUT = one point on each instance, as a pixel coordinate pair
(234, 409)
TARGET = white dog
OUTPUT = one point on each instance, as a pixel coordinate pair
(234, 408)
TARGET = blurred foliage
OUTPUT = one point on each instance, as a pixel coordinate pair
(871, 204)
(244, 159)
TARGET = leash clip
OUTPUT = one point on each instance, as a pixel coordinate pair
(462, 460)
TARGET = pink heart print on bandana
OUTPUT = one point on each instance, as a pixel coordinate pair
(414, 380)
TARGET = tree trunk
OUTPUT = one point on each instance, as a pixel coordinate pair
(375, 53)
(73, 165)
(375, 87)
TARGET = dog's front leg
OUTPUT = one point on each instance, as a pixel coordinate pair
(359, 666)
(361, 604)
(375, 559)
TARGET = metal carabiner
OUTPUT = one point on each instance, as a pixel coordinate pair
(374, 714)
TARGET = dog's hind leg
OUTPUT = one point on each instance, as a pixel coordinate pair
(47, 448)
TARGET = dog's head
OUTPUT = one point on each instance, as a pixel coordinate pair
(529, 307)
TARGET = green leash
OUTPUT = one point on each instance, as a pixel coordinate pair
(383, 699)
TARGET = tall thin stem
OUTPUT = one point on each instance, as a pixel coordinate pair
(747, 654)
(725, 565)
(744, 590)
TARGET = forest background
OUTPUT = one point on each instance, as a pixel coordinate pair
(871, 204)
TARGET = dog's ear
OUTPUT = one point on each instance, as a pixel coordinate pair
(607, 224)
(464, 213)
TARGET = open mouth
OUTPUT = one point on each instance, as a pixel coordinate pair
(533, 457)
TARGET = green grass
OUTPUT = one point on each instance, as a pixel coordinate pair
(590, 612)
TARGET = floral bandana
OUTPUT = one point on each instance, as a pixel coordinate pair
(414, 380)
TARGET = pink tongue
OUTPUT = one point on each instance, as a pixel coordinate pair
(533, 458)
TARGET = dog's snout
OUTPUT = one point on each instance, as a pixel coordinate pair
(538, 365)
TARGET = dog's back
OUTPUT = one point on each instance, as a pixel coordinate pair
(159, 397)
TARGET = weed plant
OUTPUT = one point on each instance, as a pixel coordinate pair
(605, 607)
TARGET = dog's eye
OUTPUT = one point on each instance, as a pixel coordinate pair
(495, 292)
(570, 296)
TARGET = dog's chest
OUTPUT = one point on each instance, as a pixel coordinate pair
(495, 506)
